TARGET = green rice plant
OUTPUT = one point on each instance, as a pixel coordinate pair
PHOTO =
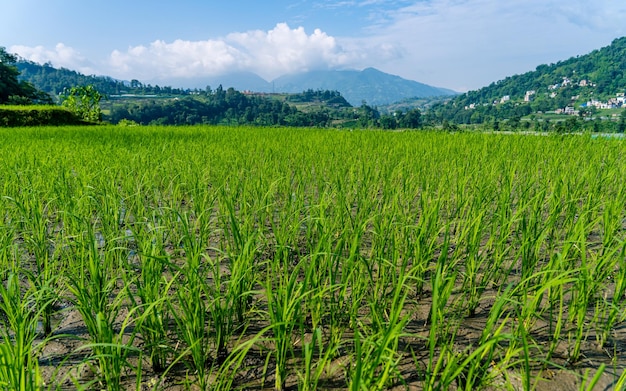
(149, 296)
(426, 240)
(35, 231)
(443, 280)
(588, 384)
(556, 318)
(241, 262)
(8, 251)
(221, 305)
(344, 269)
(111, 350)
(477, 273)
(317, 357)
(477, 365)
(376, 355)
(190, 310)
(99, 300)
(226, 374)
(620, 384)
(610, 311)
(583, 290)
(19, 369)
(285, 295)
(316, 280)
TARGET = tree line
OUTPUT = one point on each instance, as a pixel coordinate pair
(232, 107)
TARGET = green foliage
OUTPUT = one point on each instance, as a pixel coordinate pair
(331, 98)
(84, 101)
(231, 107)
(37, 116)
(12, 90)
(55, 81)
(598, 75)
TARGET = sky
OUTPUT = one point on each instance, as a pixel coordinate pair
(457, 44)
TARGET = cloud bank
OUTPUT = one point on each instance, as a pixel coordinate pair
(60, 56)
(282, 50)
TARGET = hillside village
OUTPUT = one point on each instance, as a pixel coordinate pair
(616, 102)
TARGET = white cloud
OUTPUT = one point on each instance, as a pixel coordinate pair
(281, 50)
(270, 54)
(161, 60)
(466, 44)
(60, 56)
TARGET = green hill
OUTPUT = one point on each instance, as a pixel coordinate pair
(54, 80)
(579, 83)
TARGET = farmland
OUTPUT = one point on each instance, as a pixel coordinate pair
(221, 258)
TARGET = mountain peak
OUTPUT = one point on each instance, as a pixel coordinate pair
(370, 85)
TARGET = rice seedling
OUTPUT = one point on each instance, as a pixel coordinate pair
(377, 354)
(285, 295)
(19, 369)
(191, 309)
(99, 300)
(151, 290)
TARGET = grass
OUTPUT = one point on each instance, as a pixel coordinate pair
(221, 258)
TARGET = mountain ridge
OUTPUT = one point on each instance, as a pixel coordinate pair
(369, 85)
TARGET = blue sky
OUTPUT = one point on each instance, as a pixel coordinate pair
(457, 44)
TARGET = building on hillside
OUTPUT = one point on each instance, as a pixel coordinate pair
(505, 98)
(529, 95)
(569, 110)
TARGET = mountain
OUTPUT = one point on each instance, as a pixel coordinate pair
(369, 85)
(581, 82)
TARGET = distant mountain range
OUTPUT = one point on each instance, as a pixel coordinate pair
(369, 85)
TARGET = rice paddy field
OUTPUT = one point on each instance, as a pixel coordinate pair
(218, 258)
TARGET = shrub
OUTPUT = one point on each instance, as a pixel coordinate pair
(37, 116)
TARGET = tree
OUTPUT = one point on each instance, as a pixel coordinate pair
(412, 119)
(84, 101)
(12, 90)
(388, 122)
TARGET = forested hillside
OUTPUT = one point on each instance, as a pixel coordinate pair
(232, 107)
(55, 80)
(12, 89)
(217, 106)
(583, 83)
